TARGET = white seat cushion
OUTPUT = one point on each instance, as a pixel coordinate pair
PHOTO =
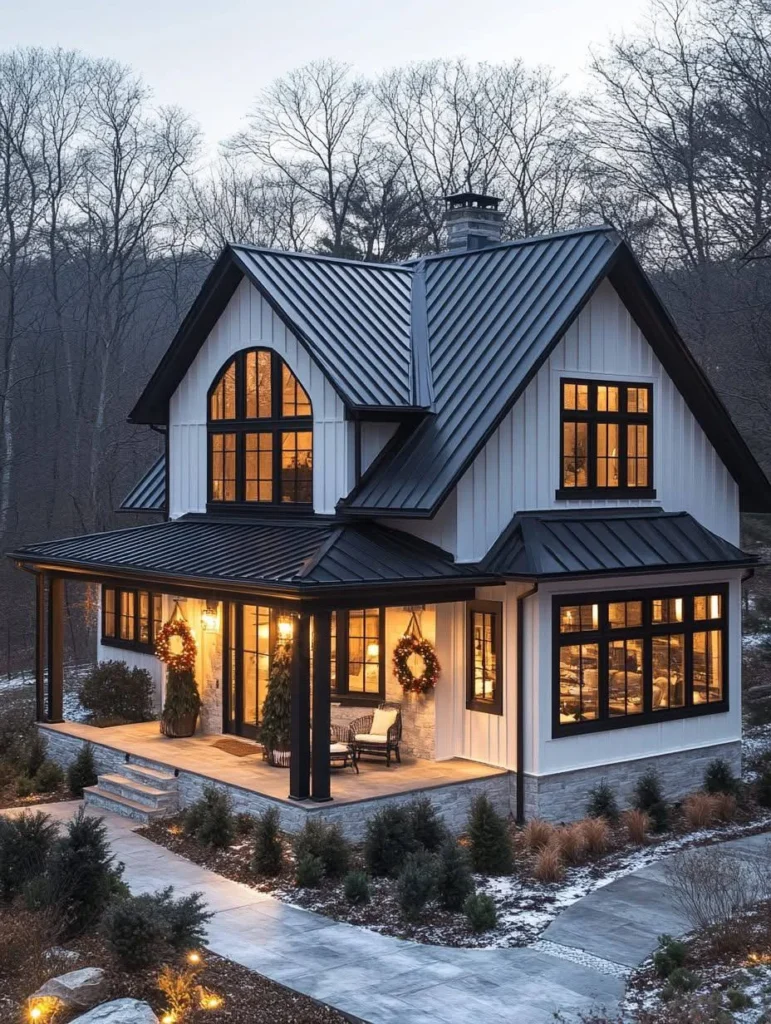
(371, 737)
(338, 748)
(382, 721)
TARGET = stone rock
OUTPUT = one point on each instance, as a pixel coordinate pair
(119, 1011)
(59, 953)
(78, 989)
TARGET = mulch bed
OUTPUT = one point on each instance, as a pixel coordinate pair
(10, 798)
(246, 996)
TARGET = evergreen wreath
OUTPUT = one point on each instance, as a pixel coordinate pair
(185, 660)
(414, 643)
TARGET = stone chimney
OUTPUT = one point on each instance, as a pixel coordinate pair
(472, 221)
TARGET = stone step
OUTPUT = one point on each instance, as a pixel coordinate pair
(140, 792)
(96, 797)
(150, 776)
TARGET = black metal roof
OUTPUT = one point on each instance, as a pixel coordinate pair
(149, 495)
(577, 542)
(290, 555)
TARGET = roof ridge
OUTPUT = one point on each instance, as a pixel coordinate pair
(514, 243)
(321, 257)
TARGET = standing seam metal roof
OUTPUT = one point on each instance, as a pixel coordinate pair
(149, 495)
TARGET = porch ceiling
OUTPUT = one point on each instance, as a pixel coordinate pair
(308, 556)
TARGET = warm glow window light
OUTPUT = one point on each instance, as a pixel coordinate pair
(285, 628)
(210, 617)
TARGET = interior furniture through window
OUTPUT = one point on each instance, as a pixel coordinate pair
(639, 657)
(131, 618)
(606, 439)
(484, 643)
(260, 434)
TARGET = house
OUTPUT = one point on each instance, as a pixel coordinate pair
(507, 447)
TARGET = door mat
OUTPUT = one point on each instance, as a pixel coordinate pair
(237, 747)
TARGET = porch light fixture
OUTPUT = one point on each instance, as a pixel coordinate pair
(210, 618)
(285, 628)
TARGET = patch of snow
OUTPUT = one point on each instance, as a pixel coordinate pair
(580, 956)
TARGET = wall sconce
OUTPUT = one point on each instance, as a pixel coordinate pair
(285, 628)
(210, 617)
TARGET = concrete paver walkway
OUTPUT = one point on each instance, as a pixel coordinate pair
(384, 980)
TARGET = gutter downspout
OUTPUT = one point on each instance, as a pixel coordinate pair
(520, 806)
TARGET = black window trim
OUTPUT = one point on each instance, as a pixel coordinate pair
(117, 641)
(647, 631)
(473, 703)
(592, 416)
(353, 697)
(276, 425)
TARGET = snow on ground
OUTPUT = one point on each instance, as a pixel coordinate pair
(73, 710)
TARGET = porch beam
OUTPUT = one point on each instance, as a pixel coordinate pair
(40, 647)
(300, 730)
(322, 651)
(55, 650)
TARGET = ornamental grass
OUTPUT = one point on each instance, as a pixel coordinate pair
(596, 835)
(637, 825)
(699, 810)
(726, 807)
(549, 866)
(571, 843)
(537, 833)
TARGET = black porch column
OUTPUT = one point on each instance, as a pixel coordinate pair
(300, 766)
(40, 647)
(322, 626)
(55, 650)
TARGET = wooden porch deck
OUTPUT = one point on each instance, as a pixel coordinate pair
(198, 755)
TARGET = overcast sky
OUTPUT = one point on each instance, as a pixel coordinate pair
(213, 57)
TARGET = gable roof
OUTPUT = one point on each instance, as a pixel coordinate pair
(447, 343)
(595, 541)
(149, 494)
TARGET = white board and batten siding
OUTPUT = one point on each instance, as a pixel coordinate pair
(249, 321)
(518, 469)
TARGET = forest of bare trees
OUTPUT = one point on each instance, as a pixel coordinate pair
(110, 216)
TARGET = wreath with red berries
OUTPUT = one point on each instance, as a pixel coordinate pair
(405, 648)
(185, 659)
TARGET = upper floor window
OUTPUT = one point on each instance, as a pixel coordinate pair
(260, 433)
(606, 446)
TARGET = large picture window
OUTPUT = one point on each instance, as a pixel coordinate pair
(130, 618)
(260, 434)
(358, 667)
(627, 659)
(484, 669)
(606, 440)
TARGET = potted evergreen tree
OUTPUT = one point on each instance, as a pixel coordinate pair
(276, 710)
(182, 704)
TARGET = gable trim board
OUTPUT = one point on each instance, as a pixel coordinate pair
(364, 325)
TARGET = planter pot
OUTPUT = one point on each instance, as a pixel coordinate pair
(179, 726)
(278, 758)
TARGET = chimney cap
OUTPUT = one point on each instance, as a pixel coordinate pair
(471, 199)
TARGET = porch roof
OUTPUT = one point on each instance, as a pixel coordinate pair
(579, 542)
(297, 556)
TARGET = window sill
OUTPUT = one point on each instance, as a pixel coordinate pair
(239, 507)
(589, 493)
(560, 730)
(486, 707)
(359, 700)
(127, 645)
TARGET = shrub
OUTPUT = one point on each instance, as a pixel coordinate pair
(491, 852)
(659, 816)
(268, 856)
(596, 835)
(549, 866)
(718, 778)
(18, 733)
(763, 789)
(738, 1000)
(244, 824)
(637, 826)
(669, 956)
(480, 912)
(276, 709)
(602, 802)
(25, 787)
(428, 826)
(326, 842)
(699, 810)
(416, 884)
(725, 806)
(26, 842)
(82, 771)
(356, 888)
(35, 755)
(571, 843)
(112, 690)
(309, 871)
(537, 833)
(679, 982)
(210, 820)
(186, 918)
(48, 778)
(180, 989)
(138, 929)
(388, 840)
(82, 877)
(647, 791)
(182, 698)
(454, 882)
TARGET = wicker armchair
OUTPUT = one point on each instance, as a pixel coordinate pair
(364, 740)
(341, 753)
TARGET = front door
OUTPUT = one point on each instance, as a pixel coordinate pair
(250, 641)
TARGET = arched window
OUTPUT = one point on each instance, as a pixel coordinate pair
(260, 433)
